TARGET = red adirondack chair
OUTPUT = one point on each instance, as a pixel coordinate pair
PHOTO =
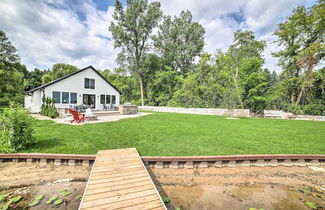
(77, 116)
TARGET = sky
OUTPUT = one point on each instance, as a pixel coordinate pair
(46, 32)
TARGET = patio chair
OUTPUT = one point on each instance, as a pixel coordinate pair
(77, 116)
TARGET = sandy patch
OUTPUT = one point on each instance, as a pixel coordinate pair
(242, 187)
(30, 180)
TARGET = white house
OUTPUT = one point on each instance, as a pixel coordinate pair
(84, 87)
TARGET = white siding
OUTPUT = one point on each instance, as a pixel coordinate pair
(33, 103)
(75, 84)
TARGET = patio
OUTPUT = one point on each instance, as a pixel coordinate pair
(102, 116)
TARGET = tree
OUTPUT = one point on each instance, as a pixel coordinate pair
(33, 79)
(245, 46)
(58, 70)
(179, 41)
(11, 80)
(297, 35)
(307, 60)
(125, 83)
(253, 82)
(131, 30)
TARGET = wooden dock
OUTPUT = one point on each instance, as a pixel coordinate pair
(119, 180)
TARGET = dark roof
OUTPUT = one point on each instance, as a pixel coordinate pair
(73, 73)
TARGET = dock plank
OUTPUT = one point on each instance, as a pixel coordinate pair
(119, 180)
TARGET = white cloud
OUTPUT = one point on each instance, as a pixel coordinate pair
(50, 32)
(221, 18)
(45, 35)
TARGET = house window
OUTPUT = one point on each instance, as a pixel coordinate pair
(102, 99)
(73, 98)
(89, 83)
(113, 99)
(108, 99)
(65, 97)
(56, 96)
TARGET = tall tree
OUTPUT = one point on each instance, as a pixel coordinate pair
(33, 79)
(58, 70)
(179, 41)
(131, 30)
(11, 79)
(300, 35)
(125, 83)
(245, 46)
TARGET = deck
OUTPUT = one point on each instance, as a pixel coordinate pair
(119, 180)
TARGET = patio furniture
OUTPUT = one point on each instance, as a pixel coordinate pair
(77, 117)
(105, 107)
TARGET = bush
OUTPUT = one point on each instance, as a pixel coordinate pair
(15, 128)
(48, 108)
(314, 109)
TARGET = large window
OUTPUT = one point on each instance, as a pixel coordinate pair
(108, 99)
(113, 99)
(73, 98)
(65, 97)
(102, 99)
(56, 96)
(89, 83)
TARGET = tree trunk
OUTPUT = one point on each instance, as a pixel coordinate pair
(237, 89)
(141, 90)
(302, 90)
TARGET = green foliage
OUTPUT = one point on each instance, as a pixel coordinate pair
(11, 79)
(33, 79)
(37, 199)
(311, 205)
(52, 199)
(131, 30)
(126, 84)
(301, 37)
(170, 134)
(10, 202)
(65, 192)
(58, 70)
(78, 197)
(48, 107)
(15, 129)
(3, 196)
(165, 198)
(58, 202)
(179, 41)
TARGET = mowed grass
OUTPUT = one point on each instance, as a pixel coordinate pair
(170, 134)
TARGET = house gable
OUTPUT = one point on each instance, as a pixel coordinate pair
(73, 74)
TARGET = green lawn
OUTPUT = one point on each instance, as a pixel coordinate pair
(168, 134)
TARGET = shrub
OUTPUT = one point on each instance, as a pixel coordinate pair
(15, 128)
(314, 109)
(48, 108)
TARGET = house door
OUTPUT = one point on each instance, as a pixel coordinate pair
(89, 100)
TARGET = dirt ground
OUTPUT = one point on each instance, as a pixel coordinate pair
(242, 188)
(210, 188)
(30, 180)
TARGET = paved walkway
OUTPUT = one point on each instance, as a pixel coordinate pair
(119, 180)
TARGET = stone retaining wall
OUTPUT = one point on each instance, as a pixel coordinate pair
(128, 109)
(279, 114)
(205, 111)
